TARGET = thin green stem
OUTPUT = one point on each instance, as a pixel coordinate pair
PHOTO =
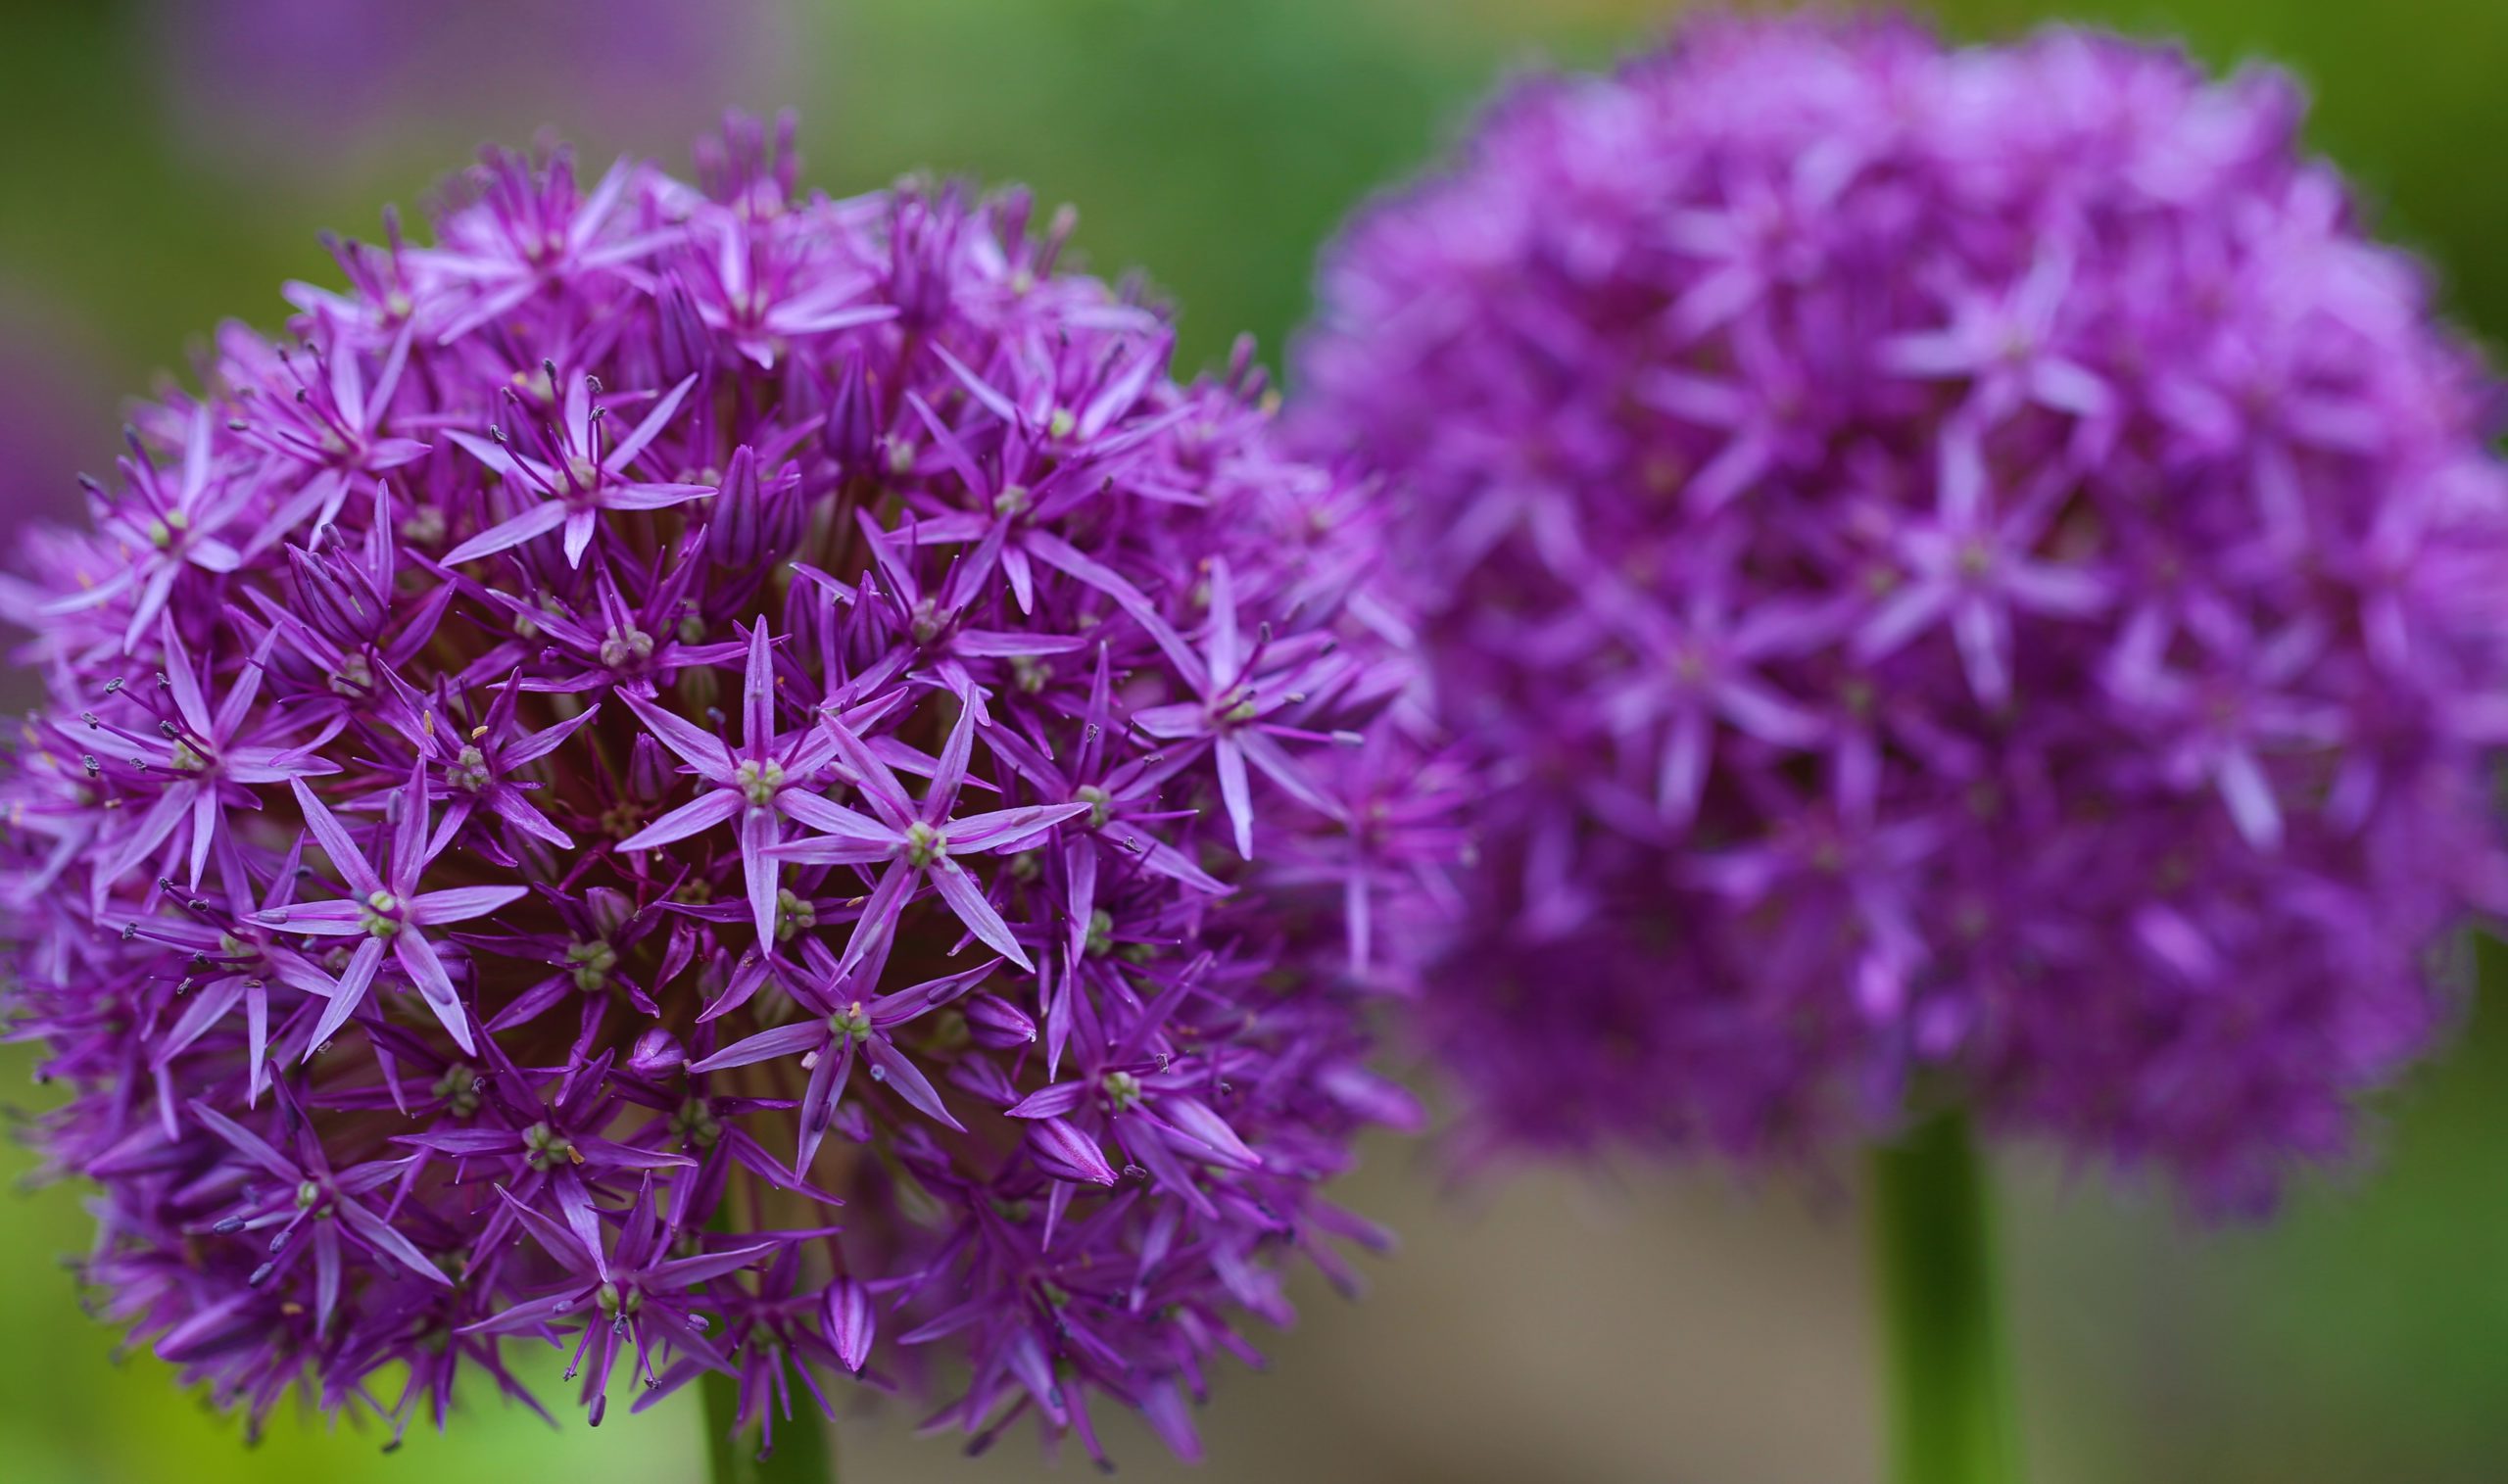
(1951, 1413)
(805, 1445)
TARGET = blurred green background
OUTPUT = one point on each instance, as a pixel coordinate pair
(168, 164)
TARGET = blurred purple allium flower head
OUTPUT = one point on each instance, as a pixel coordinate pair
(1970, 576)
(323, 82)
(739, 781)
(56, 404)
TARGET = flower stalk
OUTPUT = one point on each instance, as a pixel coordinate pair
(1950, 1419)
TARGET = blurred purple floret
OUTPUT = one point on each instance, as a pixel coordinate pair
(317, 84)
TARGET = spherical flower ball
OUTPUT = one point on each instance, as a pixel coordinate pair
(1970, 578)
(738, 781)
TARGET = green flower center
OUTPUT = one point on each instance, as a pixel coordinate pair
(355, 677)
(695, 1124)
(593, 962)
(852, 1022)
(380, 915)
(459, 1090)
(794, 915)
(470, 770)
(758, 782)
(544, 1147)
(625, 647)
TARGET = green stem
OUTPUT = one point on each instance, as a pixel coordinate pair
(1949, 1397)
(805, 1445)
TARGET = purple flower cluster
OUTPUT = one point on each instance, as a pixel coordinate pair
(733, 780)
(1972, 579)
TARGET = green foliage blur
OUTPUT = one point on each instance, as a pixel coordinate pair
(2362, 1337)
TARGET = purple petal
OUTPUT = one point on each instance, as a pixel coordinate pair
(966, 898)
(1006, 829)
(1062, 1151)
(462, 904)
(894, 1068)
(766, 1046)
(714, 807)
(852, 1322)
(420, 960)
(539, 520)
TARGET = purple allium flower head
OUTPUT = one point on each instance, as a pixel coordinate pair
(1966, 570)
(739, 781)
(323, 83)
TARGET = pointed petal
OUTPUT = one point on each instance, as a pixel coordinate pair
(247, 1143)
(758, 694)
(761, 829)
(951, 774)
(646, 431)
(327, 832)
(766, 1046)
(892, 1068)
(687, 1272)
(462, 904)
(348, 995)
(1003, 829)
(379, 1234)
(714, 807)
(425, 967)
(539, 520)
(189, 703)
(582, 525)
(966, 898)
(699, 748)
(1235, 792)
